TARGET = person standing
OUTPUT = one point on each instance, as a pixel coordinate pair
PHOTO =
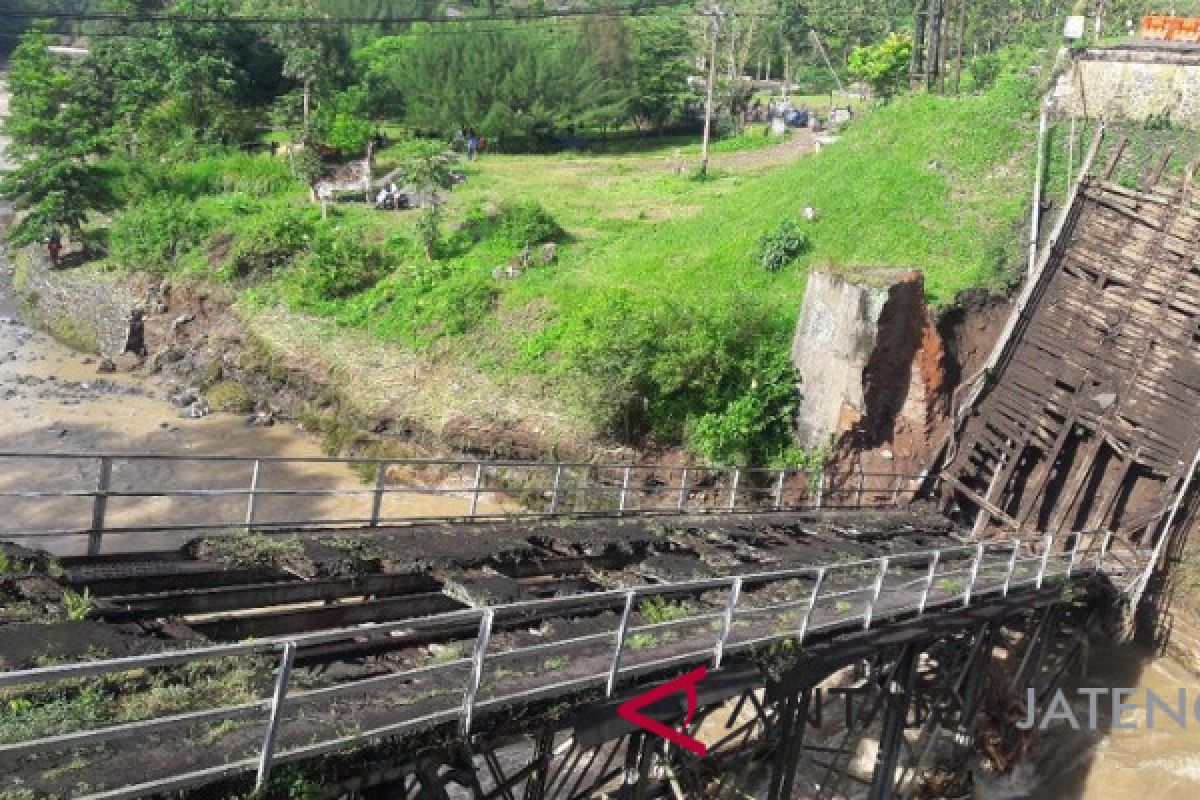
(54, 245)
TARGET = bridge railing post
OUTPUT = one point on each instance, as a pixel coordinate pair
(482, 640)
(278, 702)
(556, 489)
(624, 491)
(1012, 566)
(735, 592)
(779, 489)
(1047, 542)
(381, 468)
(683, 490)
(974, 575)
(475, 490)
(820, 489)
(614, 667)
(929, 576)
(252, 493)
(100, 506)
(862, 482)
(869, 611)
(812, 604)
(1074, 554)
(733, 491)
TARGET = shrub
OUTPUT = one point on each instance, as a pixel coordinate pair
(230, 396)
(154, 234)
(78, 606)
(523, 224)
(659, 609)
(349, 133)
(340, 262)
(782, 246)
(266, 241)
(756, 426)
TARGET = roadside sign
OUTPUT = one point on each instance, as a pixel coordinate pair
(1074, 28)
(1171, 29)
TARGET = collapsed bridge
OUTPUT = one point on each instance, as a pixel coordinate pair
(249, 626)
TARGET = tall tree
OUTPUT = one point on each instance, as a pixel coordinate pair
(314, 56)
(663, 60)
(53, 134)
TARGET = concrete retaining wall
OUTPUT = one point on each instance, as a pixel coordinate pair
(1134, 84)
(85, 308)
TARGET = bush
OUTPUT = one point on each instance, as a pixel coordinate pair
(230, 396)
(263, 242)
(153, 234)
(755, 427)
(340, 262)
(782, 246)
(349, 133)
(523, 224)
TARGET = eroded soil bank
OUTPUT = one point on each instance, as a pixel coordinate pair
(54, 399)
(367, 397)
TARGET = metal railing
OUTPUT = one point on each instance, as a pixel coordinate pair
(741, 612)
(45, 495)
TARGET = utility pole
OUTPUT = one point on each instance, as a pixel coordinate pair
(958, 50)
(715, 13)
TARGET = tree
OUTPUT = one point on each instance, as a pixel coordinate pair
(884, 66)
(505, 83)
(662, 63)
(52, 136)
(430, 167)
(313, 56)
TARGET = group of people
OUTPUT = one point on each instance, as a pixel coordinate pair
(390, 198)
(467, 139)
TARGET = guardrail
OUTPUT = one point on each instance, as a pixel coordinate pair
(798, 604)
(54, 495)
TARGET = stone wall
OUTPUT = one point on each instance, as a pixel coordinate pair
(1134, 83)
(87, 309)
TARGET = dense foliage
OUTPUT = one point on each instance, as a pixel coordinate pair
(884, 66)
(52, 135)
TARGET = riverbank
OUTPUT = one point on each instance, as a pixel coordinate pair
(54, 399)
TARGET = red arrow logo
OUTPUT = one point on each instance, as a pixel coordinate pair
(630, 711)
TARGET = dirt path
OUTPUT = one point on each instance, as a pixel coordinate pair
(797, 145)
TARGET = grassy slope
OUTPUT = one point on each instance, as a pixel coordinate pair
(932, 183)
(657, 293)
